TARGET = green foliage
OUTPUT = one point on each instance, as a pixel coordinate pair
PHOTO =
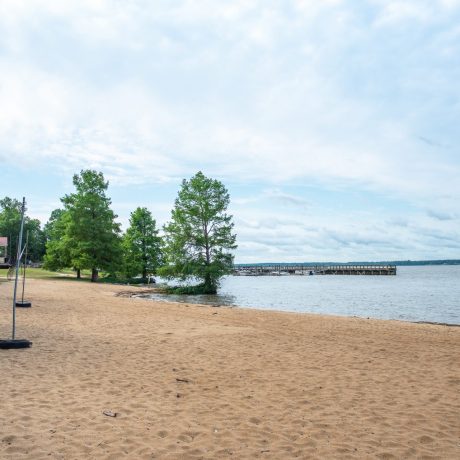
(199, 238)
(58, 246)
(36, 243)
(84, 235)
(10, 222)
(141, 245)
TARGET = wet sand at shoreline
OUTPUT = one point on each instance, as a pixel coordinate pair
(189, 381)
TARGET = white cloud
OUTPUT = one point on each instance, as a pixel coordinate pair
(334, 93)
(400, 10)
(342, 237)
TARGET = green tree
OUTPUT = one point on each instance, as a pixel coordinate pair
(36, 242)
(199, 237)
(141, 244)
(58, 248)
(91, 233)
(10, 221)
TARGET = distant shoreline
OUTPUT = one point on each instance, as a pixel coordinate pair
(400, 263)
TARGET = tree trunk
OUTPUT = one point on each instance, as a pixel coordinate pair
(144, 273)
(94, 275)
(78, 273)
(209, 287)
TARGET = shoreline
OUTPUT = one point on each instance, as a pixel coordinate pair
(135, 295)
(198, 382)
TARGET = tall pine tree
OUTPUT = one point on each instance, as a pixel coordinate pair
(91, 234)
(141, 244)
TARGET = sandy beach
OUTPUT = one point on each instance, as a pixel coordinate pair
(191, 382)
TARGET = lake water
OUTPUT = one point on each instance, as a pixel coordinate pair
(422, 293)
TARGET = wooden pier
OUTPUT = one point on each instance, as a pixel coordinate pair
(300, 269)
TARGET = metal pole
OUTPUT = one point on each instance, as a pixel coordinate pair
(25, 263)
(17, 266)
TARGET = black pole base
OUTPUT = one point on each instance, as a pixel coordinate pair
(15, 343)
(23, 304)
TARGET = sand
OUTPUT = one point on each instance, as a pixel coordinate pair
(190, 382)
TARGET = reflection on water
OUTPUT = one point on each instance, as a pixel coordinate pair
(215, 300)
(425, 293)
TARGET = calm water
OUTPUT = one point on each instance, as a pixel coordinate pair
(426, 293)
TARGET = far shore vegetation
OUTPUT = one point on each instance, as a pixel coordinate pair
(83, 240)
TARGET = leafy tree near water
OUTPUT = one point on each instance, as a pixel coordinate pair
(141, 244)
(85, 235)
(199, 237)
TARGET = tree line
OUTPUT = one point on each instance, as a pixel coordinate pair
(83, 234)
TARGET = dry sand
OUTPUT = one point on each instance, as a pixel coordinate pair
(201, 382)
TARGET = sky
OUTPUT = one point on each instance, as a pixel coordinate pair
(334, 124)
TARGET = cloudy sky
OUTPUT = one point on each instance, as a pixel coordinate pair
(334, 124)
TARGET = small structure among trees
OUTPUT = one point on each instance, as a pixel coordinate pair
(10, 221)
(4, 252)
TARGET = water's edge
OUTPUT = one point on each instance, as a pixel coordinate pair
(429, 294)
(154, 298)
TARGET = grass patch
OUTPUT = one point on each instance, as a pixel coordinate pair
(40, 273)
(70, 275)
